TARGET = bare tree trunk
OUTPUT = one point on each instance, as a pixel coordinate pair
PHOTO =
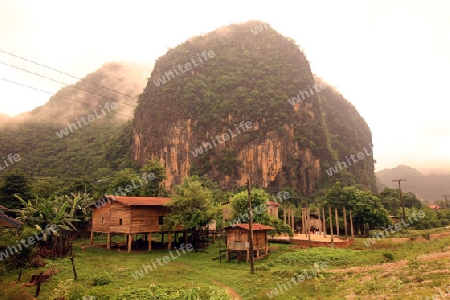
(337, 221)
(73, 264)
(345, 222)
(331, 226)
(38, 284)
(351, 225)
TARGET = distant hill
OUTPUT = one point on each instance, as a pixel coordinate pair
(48, 147)
(426, 187)
(127, 78)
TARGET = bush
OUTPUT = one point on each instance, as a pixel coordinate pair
(101, 280)
(388, 256)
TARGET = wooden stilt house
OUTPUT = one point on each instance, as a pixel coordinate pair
(130, 216)
(238, 240)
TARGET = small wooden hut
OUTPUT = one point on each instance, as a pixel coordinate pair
(238, 240)
(6, 221)
(130, 216)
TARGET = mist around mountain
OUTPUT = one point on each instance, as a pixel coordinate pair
(429, 188)
(4, 119)
(89, 94)
(54, 142)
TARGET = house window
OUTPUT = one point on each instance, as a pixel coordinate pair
(102, 219)
(161, 220)
(120, 221)
(237, 236)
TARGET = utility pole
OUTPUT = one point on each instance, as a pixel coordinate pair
(445, 197)
(401, 196)
(250, 229)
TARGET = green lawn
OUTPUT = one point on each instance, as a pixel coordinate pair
(108, 274)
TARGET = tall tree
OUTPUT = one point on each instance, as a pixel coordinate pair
(15, 183)
(126, 183)
(390, 198)
(156, 174)
(192, 208)
(259, 199)
(366, 207)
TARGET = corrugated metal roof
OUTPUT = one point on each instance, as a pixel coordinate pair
(143, 201)
(272, 203)
(255, 227)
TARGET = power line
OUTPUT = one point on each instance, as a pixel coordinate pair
(61, 72)
(73, 86)
(64, 97)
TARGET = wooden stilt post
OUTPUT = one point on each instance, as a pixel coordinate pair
(149, 241)
(324, 223)
(108, 243)
(344, 212)
(92, 237)
(337, 221)
(169, 241)
(186, 236)
(284, 215)
(331, 226)
(130, 240)
(351, 225)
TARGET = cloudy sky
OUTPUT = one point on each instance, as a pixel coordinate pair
(391, 59)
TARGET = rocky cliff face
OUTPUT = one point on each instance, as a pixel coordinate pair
(250, 111)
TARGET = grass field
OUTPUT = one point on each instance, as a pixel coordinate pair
(386, 270)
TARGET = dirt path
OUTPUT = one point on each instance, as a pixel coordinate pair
(230, 290)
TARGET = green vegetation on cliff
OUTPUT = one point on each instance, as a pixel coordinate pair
(248, 77)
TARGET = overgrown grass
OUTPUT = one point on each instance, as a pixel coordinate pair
(108, 274)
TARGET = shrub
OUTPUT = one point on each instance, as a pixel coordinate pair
(388, 256)
(101, 280)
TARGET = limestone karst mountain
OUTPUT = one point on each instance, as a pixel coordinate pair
(201, 92)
